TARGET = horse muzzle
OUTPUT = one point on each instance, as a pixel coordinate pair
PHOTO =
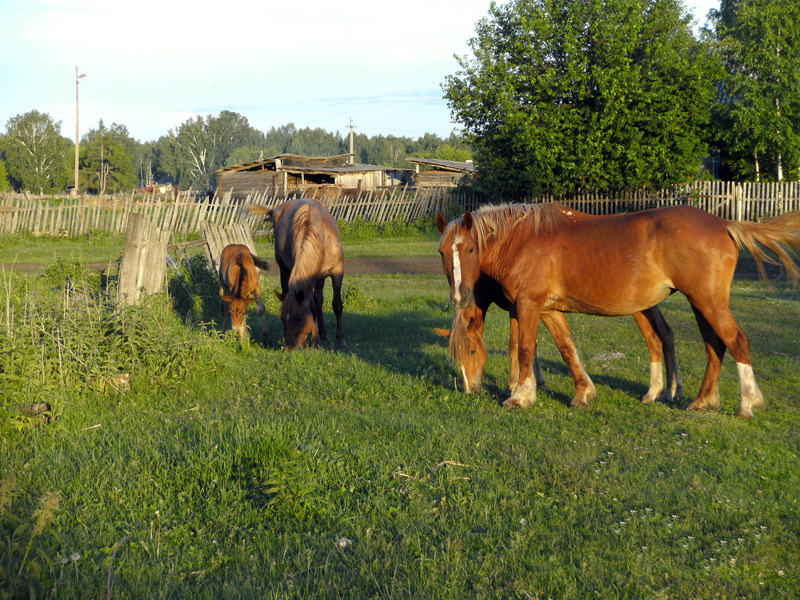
(462, 298)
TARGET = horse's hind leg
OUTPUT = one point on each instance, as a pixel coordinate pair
(338, 307)
(660, 342)
(720, 330)
(585, 391)
(318, 314)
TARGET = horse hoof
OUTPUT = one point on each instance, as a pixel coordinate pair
(513, 403)
(704, 404)
(341, 344)
(745, 413)
(578, 403)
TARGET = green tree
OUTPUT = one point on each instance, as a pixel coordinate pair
(757, 121)
(5, 184)
(564, 95)
(192, 153)
(37, 156)
(107, 163)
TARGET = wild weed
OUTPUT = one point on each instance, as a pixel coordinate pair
(25, 566)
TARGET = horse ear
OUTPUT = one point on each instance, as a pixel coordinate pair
(445, 333)
(467, 221)
(280, 296)
(228, 299)
(300, 296)
(441, 222)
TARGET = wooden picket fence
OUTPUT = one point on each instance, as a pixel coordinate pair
(184, 214)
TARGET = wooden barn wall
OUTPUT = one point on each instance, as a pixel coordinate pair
(437, 178)
(240, 184)
(369, 179)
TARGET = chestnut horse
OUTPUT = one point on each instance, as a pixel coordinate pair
(550, 259)
(238, 287)
(308, 248)
(468, 349)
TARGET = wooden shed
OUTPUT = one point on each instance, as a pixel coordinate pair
(288, 173)
(439, 173)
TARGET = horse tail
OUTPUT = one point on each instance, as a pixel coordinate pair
(255, 209)
(260, 262)
(780, 236)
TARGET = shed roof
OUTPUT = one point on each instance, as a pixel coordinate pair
(447, 165)
(295, 163)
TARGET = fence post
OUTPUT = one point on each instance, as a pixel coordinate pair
(737, 199)
(144, 259)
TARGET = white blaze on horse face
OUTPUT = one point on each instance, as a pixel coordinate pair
(464, 375)
(456, 273)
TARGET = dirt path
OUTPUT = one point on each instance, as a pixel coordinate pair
(420, 265)
(360, 266)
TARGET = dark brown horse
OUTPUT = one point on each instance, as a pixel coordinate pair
(550, 259)
(238, 287)
(308, 249)
(468, 349)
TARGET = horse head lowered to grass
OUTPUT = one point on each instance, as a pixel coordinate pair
(308, 249)
(550, 260)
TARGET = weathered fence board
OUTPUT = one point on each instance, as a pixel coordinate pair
(144, 260)
(217, 237)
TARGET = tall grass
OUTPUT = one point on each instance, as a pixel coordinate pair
(229, 471)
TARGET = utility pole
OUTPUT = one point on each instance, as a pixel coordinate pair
(77, 129)
(350, 124)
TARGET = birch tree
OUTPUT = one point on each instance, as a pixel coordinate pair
(194, 151)
(758, 116)
(36, 154)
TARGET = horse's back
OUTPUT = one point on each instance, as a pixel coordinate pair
(621, 264)
(308, 218)
(236, 270)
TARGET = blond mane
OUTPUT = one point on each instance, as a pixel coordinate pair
(501, 219)
(309, 250)
(459, 338)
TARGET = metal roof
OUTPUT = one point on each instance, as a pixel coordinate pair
(307, 164)
(450, 165)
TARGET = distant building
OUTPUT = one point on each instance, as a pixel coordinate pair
(439, 173)
(307, 175)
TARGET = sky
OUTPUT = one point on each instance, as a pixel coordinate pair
(152, 64)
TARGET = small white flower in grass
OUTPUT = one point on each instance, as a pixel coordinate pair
(64, 560)
(523, 522)
(343, 542)
(75, 557)
(780, 573)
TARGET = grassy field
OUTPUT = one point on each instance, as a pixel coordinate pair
(245, 472)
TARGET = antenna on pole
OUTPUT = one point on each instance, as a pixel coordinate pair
(351, 126)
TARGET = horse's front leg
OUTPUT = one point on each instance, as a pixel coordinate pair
(262, 315)
(317, 309)
(513, 357)
(585, 392)
(338, 307)
(528, 325)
